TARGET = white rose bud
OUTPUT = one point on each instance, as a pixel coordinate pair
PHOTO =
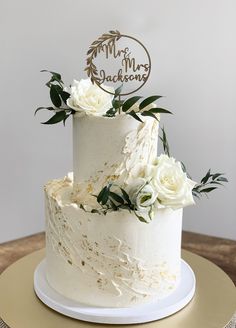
(142, 194)
(89, 98)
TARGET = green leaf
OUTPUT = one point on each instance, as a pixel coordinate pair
(216, 175)
(209, 180)
(206, 177)
(223, 179)
(126, 196)
(140, 217)
(218, 183)
(64, 95)
(159, 110)
(58, 117)
(117, 104)
(116, 197)
(125, 207)
(39, 108)
(196, 193)
(113, 205)
(147, 113)
(129, 103)
(165, 143)
(58, 88)
(54, 95)
(55, 76)
(103, 195)
(82, 207)
(134, 115)
(66, 117)
(148, 101)
(118, 90)
(185, 170)
(183, 167)
(95, 211)
(208, 189)
(111, 112)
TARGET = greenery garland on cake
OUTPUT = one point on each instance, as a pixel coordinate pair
(165, 183)
(68, 101)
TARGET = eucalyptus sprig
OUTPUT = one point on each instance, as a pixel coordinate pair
(209, 182)
(58, 97)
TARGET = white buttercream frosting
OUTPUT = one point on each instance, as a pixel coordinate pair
(110, 149)
(109, 260)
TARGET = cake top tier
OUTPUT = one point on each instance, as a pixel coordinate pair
(110, 150)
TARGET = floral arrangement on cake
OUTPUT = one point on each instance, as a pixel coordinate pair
(164, 183)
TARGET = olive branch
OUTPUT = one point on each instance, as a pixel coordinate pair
(94, 49)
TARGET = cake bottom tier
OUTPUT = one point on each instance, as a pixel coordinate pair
(111, 260)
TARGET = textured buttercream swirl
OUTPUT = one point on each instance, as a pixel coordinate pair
(114, 255)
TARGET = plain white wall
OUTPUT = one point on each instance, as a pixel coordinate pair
(192, 45)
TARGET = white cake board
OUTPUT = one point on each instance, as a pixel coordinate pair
(136, 314)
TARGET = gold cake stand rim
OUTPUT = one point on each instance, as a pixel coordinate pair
(213, 305)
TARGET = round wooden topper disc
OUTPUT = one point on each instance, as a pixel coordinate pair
(213, 305)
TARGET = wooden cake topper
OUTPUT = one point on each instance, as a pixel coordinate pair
(120, 66)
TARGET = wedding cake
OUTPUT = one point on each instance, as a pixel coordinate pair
(115, 257)
(113, 225)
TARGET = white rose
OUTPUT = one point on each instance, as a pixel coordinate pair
(173, 187)
(142, 194)
(89, 98)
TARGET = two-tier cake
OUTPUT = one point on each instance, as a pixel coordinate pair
(113, 254)
(113, 226)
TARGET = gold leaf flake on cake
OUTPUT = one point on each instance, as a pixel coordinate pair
(89, 188)
(111, 177)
